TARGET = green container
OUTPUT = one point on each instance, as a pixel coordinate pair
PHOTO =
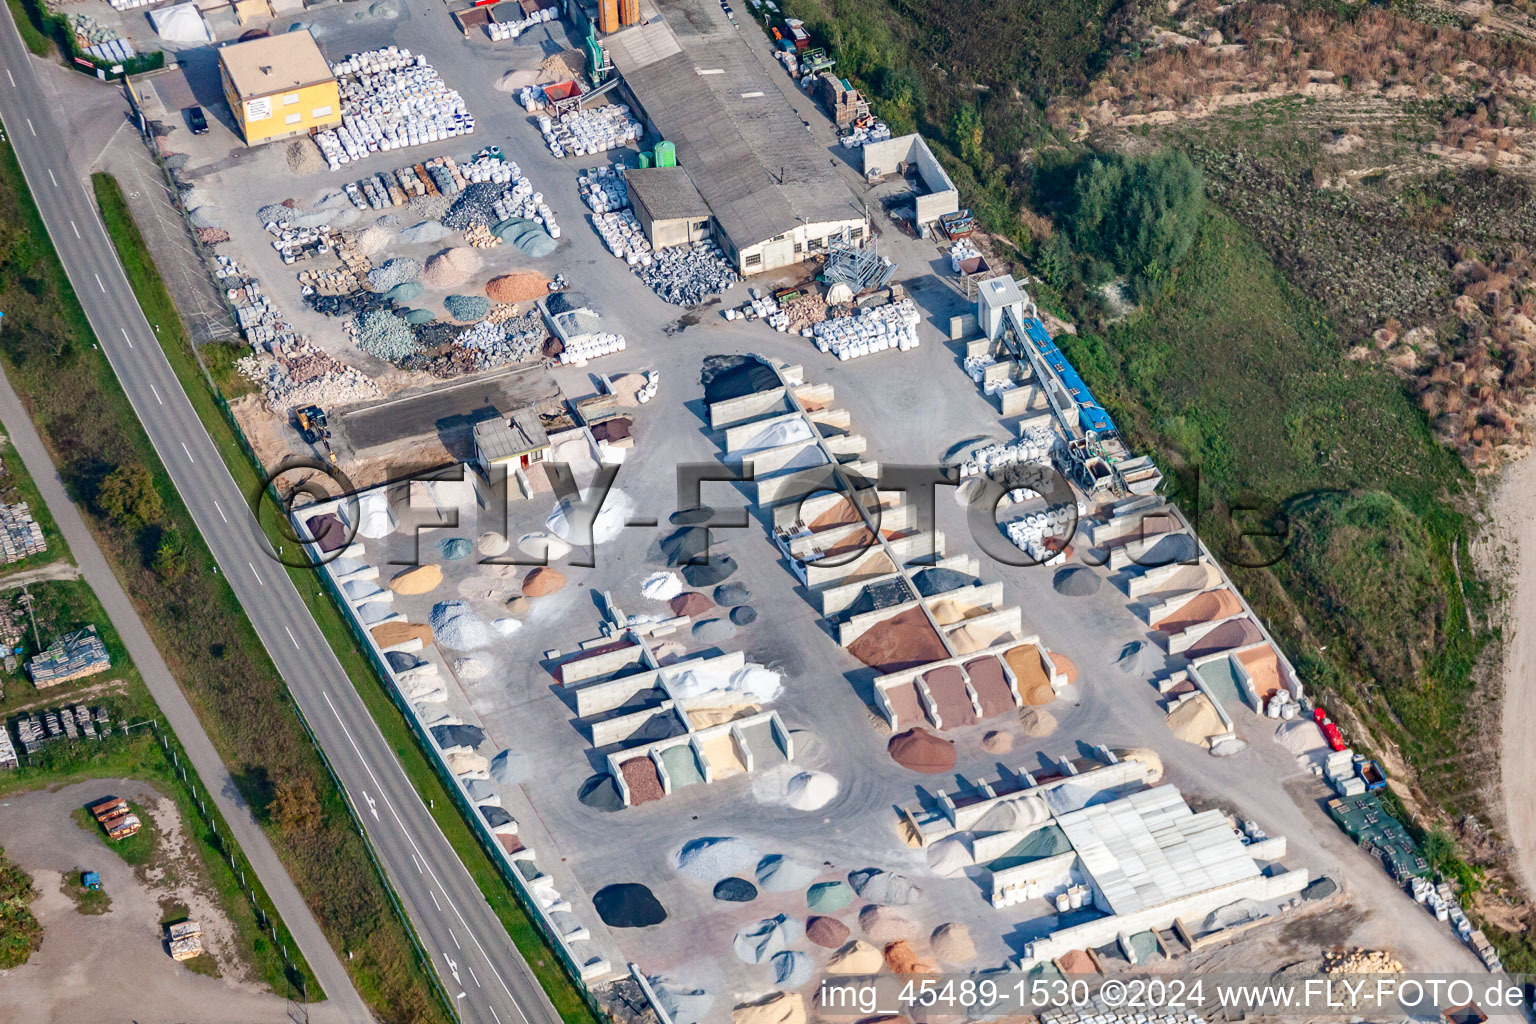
(645, 160)
(666, 154)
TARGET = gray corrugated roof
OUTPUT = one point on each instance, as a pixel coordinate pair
(666, 192)
(741, 142)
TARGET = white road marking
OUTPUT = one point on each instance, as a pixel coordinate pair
(455, 939)
(215, 500)
(473, 975)
(373, 808)
(130, 345)
(157, 393)
(99, 284)
(8, 75)
(410, 839)
(29, 120)
(417, 863)
(290, 637)
(256, 574)
(50, 174)
(75, 229)
(436, 904)
(493, 1013)
(191, 459)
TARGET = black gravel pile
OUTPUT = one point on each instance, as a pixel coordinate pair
(628, 905)
(735, 890)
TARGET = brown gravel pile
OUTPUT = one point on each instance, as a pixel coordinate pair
(451, 267)
(543, 581)
(691, 604)
(304, 157)
(644, 784)
(826, 931)
(882, 924)
(212, 236)
(997, 742)
(522, 286)
(921, 751)
(904, 640)
(901, 958)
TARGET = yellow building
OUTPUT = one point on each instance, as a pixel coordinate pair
(279, 86)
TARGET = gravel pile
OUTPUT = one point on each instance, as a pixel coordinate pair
(392, 272)
(383, 334)
(455, 625)
(373, 240)
(491, 345)
(403, 293)
(429, 207)
(791, 968)
(451, 267)
(280, 213)
(304, 157)
(389, 221)
(466, 308)
(760, 942)
(426, 231)
(712, 858)
(474, 205)
(517, 287)
(212, 236)
(687, 275)
(735, 890)
(877, 886)
(778, 873)
(204, 217)
(419, 318)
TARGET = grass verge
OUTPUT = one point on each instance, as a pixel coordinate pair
(18, 485)
(87, 901)
(31, 35)
(92, 431)
(195, 381)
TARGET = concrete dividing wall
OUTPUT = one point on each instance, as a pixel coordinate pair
(886, 158)
(747, 407)
(579, 669)
(1011, 619)
(643, 724)
(1178, 643)
(835, 598)
(988, 595)
(802, 513)
(1165, 577)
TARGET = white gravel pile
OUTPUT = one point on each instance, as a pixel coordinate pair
(393, 272)
(455, 625)
(712, 858)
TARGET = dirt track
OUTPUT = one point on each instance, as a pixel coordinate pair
(1514, 511)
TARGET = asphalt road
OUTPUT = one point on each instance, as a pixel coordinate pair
(479, 967)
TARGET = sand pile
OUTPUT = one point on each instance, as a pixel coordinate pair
(952, 943)
(826, 931)
(947, 611)
(735, 890)
(661, 586)
(921, 751)
(778, 1008)
(904, 640)
(778, 873)
(522, 286)
(877, 886)
(519, 605)
(711, 858)
(1147, 756)
(628, 905)
(544, 546)
(468, 763)
(396, 634)
(810, 791)
(493, 544)
(457, 626)
(1065, 666)
(758, 943)
(543, 581)
(691, 604)
(1196, 721)
(996, 742)
(901, 958)
(858, 957)
(978, 636)
(1077, 961)
(882, 924)
(826, 897)
(451, 267)
(791, 969)
(951, 855)
(703, 718)
(1037, 722)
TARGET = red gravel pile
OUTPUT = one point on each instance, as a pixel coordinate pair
(921, 751)
(519, 287)
(543, 581)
